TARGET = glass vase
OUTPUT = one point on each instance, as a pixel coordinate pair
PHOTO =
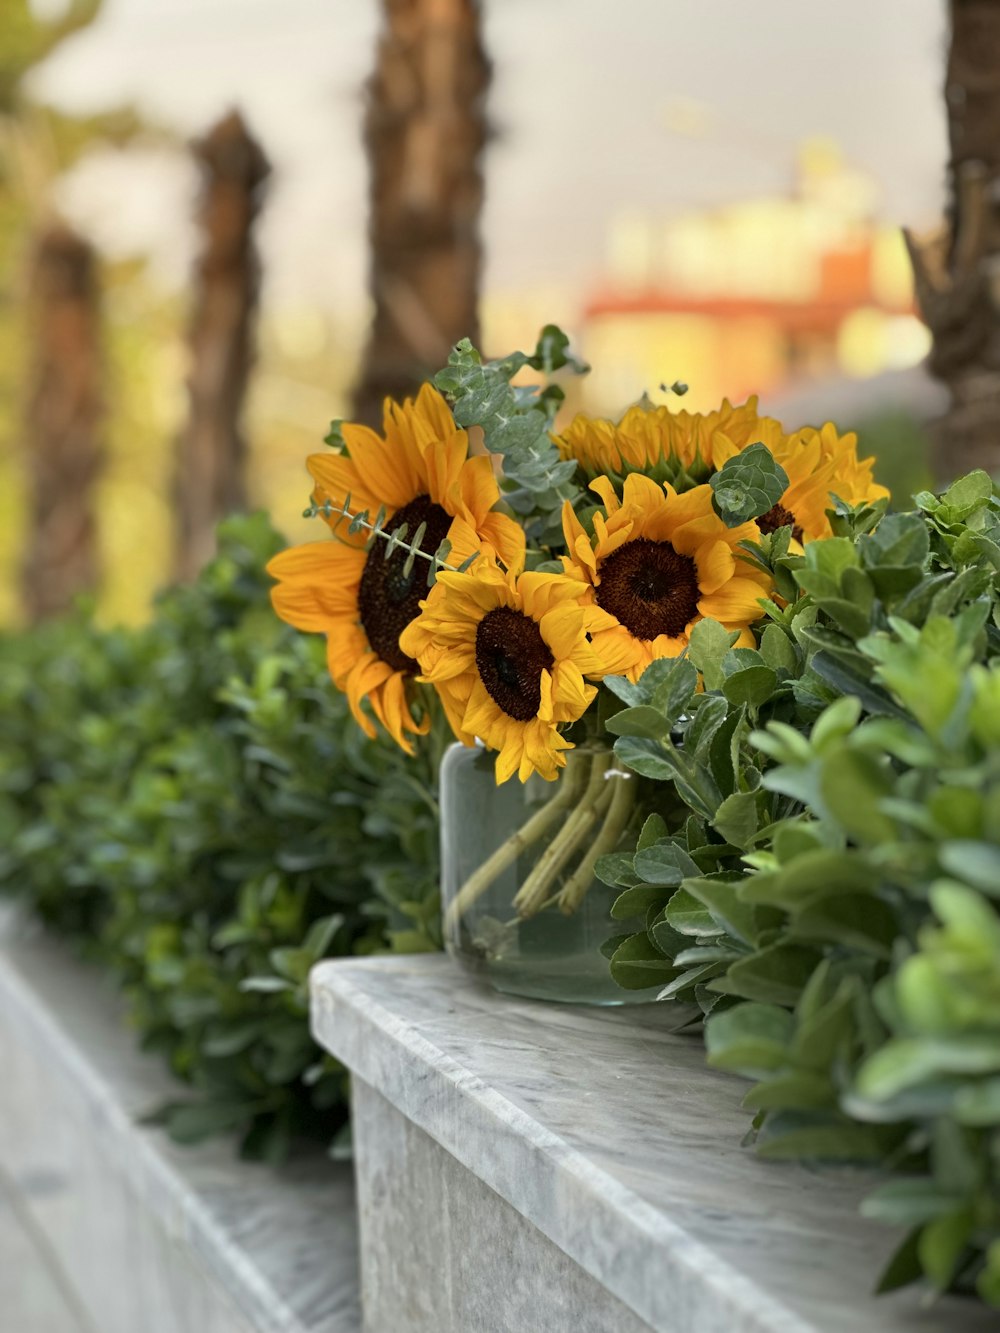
(522, 909)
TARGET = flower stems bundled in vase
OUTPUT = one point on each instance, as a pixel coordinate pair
(507, 589)
(584, 801)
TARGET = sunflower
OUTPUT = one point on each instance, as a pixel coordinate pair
(681, 447)
(508, 654)
(658, 563)
(820, 464)
(806, 498)
(852, 476)
(420, 473)
(653, 439)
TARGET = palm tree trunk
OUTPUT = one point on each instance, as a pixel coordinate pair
(63, 424)
(211, 465)
(425, 130)
(955, 271)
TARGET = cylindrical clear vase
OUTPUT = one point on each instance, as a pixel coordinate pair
(522, 909)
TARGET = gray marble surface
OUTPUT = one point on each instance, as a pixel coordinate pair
(606, 1131)
(151, 1237)
(34, 1294)
(442, 1253)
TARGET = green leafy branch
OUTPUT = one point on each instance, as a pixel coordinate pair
(516, 421)
(395, 540)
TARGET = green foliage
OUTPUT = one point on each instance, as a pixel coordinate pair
(516, 420)
(748, 485)
(831, 897)
(193, 804)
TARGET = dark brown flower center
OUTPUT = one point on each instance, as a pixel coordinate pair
(649, 588)
(511, 656)
(389, 597)
(779, 517)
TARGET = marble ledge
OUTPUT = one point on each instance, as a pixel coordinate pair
(605, 1131)
(144, 1233)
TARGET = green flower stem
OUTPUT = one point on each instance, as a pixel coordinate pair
(537, 887)
(505, 855)
(619, 812)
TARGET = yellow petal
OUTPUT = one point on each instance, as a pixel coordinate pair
(318, 586)
(448, 478)
(572, 527)
(688, 506)
(686, 540)
(571, 696)
(562, 629)
(453, 703)
(540, 752)
(642, 492)
(373, 475)
(662, 646)
(545, 690)
(506, 536)
(609, 537)
(433, 408)
(617, 650)
(339, 481)
(480, 711)
(395, 708)
(736, 603)
(603, 487)
(715, 564)
(509, 758)
(345, 644)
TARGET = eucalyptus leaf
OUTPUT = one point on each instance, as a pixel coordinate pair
(748, 485)
(482, 395)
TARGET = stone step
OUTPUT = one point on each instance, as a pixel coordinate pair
(531, 1168)
(137, 1234)
(33, 1296)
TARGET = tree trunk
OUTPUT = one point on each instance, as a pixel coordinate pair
(425, 130)
(63, 424)
(956, 271)
(211, 465)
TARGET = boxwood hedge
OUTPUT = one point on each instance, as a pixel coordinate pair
(191, 803)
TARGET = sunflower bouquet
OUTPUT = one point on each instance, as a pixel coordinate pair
(486, 565)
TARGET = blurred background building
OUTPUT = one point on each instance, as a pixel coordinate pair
(755, 295)
(704, 193)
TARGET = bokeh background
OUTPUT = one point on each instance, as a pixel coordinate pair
(702, 190)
